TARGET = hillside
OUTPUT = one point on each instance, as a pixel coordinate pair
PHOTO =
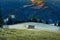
(14, 34)
(48, 9)
(39, 26)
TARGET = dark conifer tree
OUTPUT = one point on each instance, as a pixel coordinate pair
(34, 19)
(40, 21)
(55, 24)
(1, 19)
(10, 22)
(59, 23)
(47, 22)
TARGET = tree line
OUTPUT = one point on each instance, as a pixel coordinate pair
(33, 19)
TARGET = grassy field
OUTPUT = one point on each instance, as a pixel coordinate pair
(22, 34)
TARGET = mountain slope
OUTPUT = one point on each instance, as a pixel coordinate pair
(50, 9)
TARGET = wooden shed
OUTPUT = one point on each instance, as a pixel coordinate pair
(31, 27)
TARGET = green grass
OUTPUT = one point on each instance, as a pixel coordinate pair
(22, 34)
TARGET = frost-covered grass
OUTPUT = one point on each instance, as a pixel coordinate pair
(23, 34)
(40, 26)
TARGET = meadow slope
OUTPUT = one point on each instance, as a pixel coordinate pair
(23, 34)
